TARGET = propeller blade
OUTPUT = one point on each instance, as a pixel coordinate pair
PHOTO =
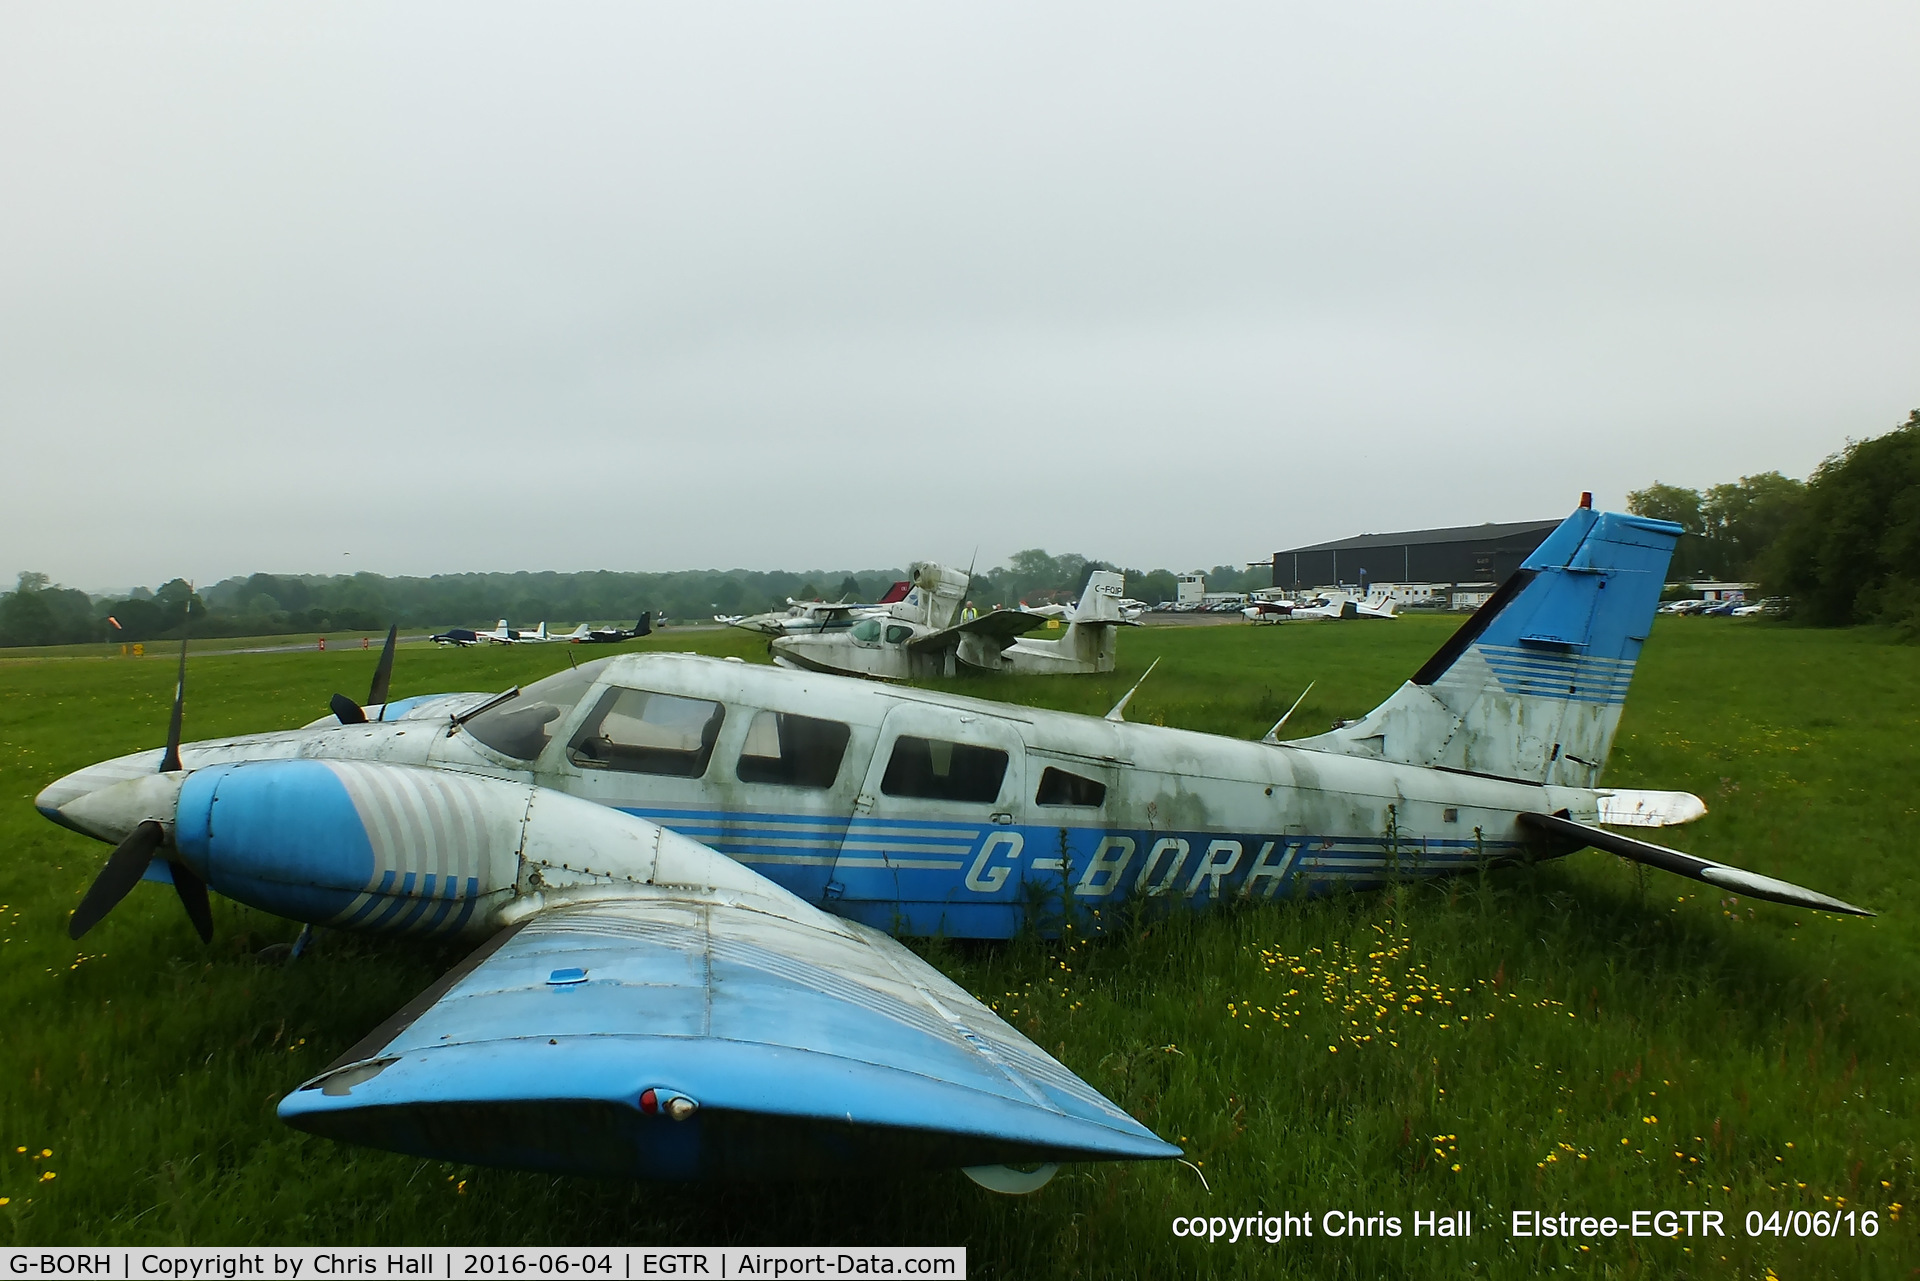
(193, 896)
(383, 674)
(171, 761)
(125, 866)
(349, 712)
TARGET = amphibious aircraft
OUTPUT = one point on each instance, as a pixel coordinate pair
(924, 601)
(686, 872)
(899, 647)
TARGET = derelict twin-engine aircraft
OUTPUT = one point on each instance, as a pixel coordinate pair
(686, 872)
(900, 646)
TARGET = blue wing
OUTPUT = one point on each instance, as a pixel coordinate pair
(683, 1034)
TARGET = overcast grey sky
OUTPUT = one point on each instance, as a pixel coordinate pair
(433, 288)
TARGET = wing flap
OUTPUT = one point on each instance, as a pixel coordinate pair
(810, 1045)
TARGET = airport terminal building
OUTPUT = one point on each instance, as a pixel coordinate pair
(1443, 565)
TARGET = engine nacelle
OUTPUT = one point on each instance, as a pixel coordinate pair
(366, 845)
(355, 844)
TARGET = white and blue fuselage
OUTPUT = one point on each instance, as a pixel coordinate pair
(913, 811)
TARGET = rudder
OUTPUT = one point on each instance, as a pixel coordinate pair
(1531, 686)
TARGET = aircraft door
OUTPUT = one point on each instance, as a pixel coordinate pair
(934, 845)
(768, 788)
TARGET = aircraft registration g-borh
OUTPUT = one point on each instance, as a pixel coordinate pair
(686, 872)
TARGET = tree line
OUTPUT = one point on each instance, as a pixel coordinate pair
(39, 612)
(1842, 546)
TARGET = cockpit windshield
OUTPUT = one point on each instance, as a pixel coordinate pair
(521, 727)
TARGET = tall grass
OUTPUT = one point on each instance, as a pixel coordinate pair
(1579, 1036)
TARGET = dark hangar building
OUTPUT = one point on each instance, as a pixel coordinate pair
(1466, 554)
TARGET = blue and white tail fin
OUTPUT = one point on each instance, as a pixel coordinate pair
(1531, 686)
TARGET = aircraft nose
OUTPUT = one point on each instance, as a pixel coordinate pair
(57, 800)
(53, 795)
(111, 813)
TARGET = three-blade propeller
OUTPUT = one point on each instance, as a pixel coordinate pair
(352, 713)
(125, 867)
(128, 863)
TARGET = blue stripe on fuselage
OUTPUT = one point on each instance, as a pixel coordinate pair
(981, 880)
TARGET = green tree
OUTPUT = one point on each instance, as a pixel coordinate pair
(25, 618)
(1154, 586)
(1851, 554)
(1669, 502)
(1748, 516)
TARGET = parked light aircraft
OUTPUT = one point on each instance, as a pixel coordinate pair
(927, 600)
(685, 871)
(585, 635)
(1378, 603)
(505, 635)
(899, 647)
(806, 617)
(1262, 610)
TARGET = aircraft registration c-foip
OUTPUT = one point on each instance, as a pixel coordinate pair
(688, 873)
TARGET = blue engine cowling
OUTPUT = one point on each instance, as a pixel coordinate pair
(356, 844)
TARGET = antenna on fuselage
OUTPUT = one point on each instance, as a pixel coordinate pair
(1273, 735)
(1121, 706)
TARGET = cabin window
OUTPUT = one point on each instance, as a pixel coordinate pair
(641, 732)
(521, 727)
(867, 629)
(899, 634)
(1057, 787)
(796, 750)
(937, 770)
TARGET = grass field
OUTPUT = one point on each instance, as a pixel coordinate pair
(1588, 1038)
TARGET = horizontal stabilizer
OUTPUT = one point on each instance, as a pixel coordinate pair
(1636, 807)
(1736, 879)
